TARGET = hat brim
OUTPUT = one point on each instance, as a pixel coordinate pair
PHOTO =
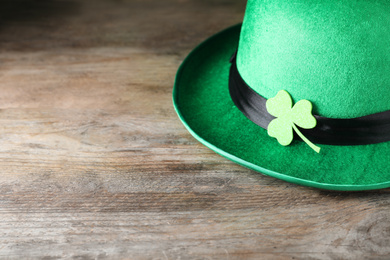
(202, 101)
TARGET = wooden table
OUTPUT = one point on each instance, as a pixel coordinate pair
(95, 164)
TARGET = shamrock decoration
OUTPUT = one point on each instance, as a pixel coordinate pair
(288, 117)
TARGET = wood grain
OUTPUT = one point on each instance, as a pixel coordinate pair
(95, 164)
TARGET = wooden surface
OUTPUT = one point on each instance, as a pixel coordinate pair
(95, 164)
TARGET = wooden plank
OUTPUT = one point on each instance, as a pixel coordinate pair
(95, 164)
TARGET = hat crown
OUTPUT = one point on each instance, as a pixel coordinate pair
(335, 53)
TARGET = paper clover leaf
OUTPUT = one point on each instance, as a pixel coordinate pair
(288, 117)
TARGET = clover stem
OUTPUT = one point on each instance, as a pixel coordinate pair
(307, 141)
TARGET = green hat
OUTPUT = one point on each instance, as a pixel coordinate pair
(299, 66)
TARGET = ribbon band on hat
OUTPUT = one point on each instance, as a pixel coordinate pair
(370, 129)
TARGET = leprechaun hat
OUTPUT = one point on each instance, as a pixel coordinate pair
(300, 91)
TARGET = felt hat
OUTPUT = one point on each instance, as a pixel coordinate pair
(306, 97)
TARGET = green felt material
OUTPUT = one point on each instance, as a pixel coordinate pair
(288, 116)
(202, 101)
(335, 53)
